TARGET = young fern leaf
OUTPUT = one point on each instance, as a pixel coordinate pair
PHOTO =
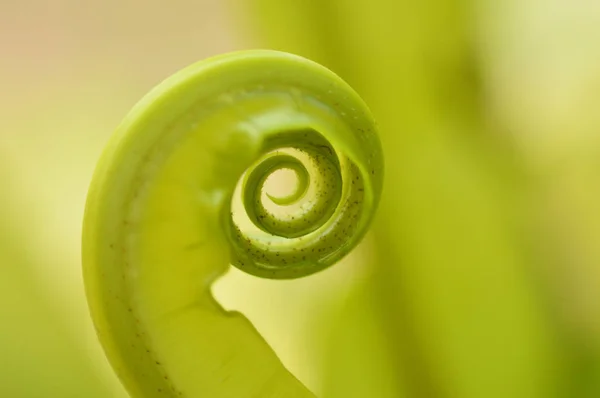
(161, 222)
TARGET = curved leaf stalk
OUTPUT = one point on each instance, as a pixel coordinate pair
(183, 190)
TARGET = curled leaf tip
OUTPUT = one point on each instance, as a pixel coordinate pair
(183, 189)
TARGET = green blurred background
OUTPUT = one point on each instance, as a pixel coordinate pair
(481, 276)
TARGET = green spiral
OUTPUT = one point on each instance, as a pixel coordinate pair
(183, 189)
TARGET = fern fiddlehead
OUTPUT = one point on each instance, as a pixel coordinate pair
(182, 190)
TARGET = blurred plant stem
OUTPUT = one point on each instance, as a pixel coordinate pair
(40, 356)
(457, 279)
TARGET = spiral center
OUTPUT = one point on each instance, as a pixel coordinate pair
(296, 206)
(282, 186)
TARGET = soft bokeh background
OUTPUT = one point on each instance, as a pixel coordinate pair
(481, 277)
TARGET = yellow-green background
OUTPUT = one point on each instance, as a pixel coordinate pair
(481, 277)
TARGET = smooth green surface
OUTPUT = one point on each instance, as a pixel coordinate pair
(159, 227)
(40, 350)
